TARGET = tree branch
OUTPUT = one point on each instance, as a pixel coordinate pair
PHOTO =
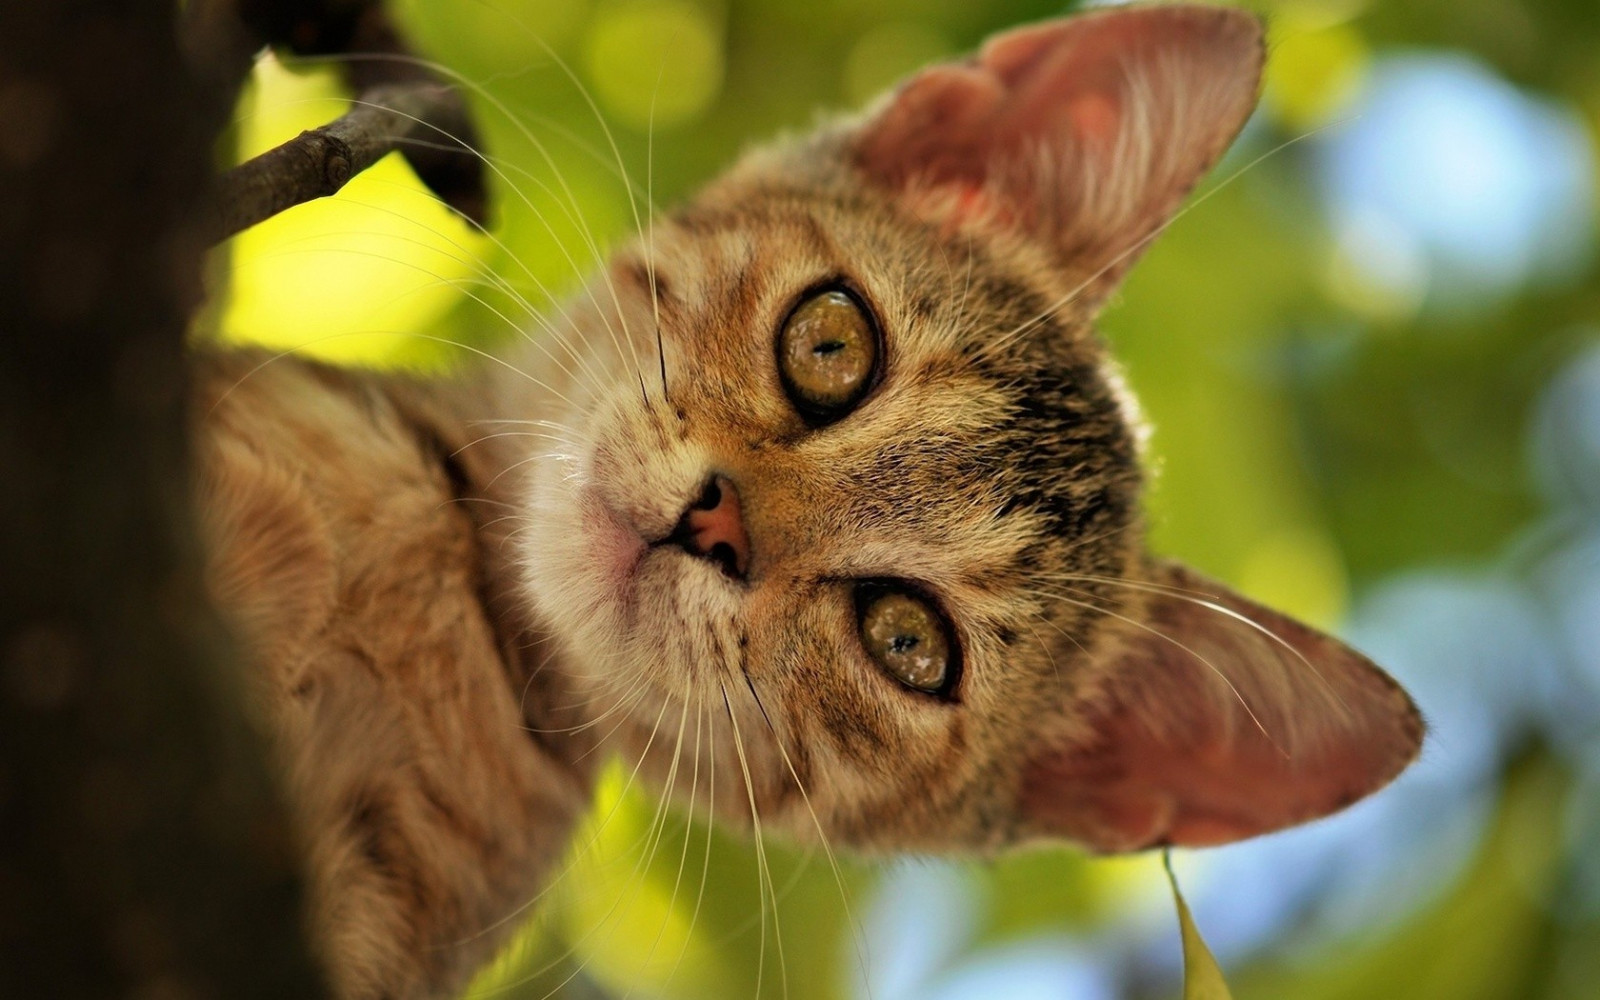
(403, 106)
(320, 161)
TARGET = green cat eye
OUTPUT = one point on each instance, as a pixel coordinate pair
(827, 355)
(908, 637)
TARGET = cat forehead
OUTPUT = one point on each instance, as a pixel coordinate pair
(984, 293)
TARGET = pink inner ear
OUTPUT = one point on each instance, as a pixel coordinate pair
(1210, 729)
(1086, 131)
(957, 124)
(1094, 119)
(1068, 86)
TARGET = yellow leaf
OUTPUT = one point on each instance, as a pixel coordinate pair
(1202, 978)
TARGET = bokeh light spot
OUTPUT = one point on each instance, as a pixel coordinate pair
(1376, 268)
(1566, 442)
(655, 63)
(922, 916)
(1313, 74)
(1494, 185)
(496, 36)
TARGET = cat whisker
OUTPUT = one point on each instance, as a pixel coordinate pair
(764, 871)
(1054, 666)
(1087, 540)
(650, 236)
(328, 338)
(557, 429)
(621, 704)
(515, 113)
(659, 821)
(574, 213)
(585, 231)
(548, 456)
(438, 280)
(633, 687)
(635, 878)
(1254, 719)
(616, 153)
(619, 672)
(1139, 244)
(694, 799)
(857, 935)
(463, 255)
(711, 812)
(461, 284)
(551, 299)
(557, 878)
(499, 281)
(523, 422)
(515, 513)
(541, 435)
(574, 216)
(683, 855)
(643, 688)
(1204, 600)
(647, 843)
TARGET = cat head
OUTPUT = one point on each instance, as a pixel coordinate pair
(843, 516)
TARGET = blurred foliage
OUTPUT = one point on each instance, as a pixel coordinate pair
(1319, 431)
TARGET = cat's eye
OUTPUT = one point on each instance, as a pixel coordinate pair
(908, 637)
(827, 355)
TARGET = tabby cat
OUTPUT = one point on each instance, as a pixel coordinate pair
(830, 467)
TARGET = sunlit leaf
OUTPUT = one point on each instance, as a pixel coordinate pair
(1202, 977)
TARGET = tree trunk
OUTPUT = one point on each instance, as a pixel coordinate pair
(143, 852)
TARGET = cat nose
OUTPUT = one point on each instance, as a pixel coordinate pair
(713, 528)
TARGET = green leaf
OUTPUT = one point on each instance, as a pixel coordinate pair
(1202, 978)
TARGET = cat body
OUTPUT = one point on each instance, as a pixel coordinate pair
(829, 469)
(429, 787)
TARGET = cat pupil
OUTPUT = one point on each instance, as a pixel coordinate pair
(828, 347)
(903, 643)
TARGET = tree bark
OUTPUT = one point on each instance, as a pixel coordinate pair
(143, 852)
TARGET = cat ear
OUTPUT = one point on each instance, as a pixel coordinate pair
(1084, 132)
(1217, 720)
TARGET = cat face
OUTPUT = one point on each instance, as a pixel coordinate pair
(844, 516)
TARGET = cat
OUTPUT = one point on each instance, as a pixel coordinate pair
(831, 459)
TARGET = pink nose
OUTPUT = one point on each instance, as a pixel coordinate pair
(713, 528)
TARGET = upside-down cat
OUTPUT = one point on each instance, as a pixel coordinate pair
(833, 461)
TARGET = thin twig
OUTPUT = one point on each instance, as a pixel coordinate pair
(320, 161)
(400, 99)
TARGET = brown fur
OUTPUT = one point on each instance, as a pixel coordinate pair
(414, 655)
(389, 677)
